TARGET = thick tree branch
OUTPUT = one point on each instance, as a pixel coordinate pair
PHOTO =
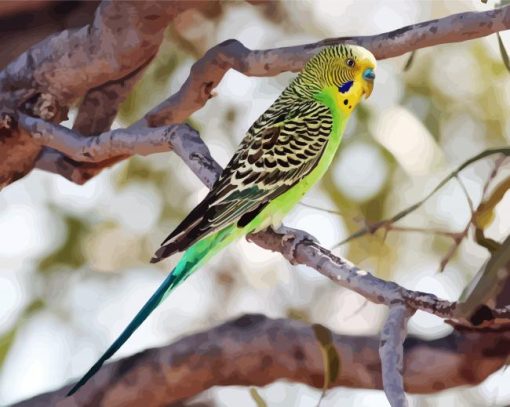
(123, 37)
(55, 162)
(120, 143)
(255, 350)
(100, 105)
(72, 63)
(208, 71)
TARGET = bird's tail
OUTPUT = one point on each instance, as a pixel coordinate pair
(190, 261)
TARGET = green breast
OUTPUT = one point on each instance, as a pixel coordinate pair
(274, 213)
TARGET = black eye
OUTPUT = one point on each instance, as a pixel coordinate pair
(350, 62)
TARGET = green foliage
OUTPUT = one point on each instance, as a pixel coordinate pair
(7, 338)
(257, 398)
(69, 254)
(330, 357)
(409, 61)
(504, 53)
(488, 283)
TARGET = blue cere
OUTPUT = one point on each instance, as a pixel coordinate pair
(369, 74)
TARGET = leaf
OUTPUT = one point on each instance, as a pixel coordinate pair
(330, 358)
(374, 227)
(259, 401)
(70, 253)
(484, 216)
(6, 341)
(485, 213)
(409, 62)
(504, 54)
(487, 284)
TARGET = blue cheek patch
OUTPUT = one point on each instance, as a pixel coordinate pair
(345, 86)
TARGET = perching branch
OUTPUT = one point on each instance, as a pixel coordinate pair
(52, 74)
(88, 61)
(255, 351)
(297, 247)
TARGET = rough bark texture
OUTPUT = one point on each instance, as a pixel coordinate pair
(101, 62)
(123, 37)
(255, 350)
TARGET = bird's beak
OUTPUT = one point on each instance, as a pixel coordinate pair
(368, 82)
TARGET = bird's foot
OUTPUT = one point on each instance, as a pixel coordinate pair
(291, 238)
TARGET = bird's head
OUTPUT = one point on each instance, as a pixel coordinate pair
(339, 76)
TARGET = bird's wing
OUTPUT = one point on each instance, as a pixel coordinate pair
(279, 150)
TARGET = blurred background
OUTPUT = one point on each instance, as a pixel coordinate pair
(74, 259)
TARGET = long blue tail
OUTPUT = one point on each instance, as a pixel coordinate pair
(190, 261)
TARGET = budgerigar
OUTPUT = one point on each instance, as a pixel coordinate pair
(285, 152)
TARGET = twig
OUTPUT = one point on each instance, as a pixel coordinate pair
(466, 194)
(391, 351)
(411, 229)
(373, 227)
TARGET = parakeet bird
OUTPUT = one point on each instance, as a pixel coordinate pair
(286, 151)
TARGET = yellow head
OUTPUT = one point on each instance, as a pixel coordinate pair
(339, 76)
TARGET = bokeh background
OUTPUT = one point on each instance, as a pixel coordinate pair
(74, 259)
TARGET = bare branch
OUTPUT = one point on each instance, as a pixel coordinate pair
(71, 63)
(391, 351)
(123, 37)
(255, 351)
(297, 247)
(100, 105)
(118, 145)
(57, 163)
(208, 71)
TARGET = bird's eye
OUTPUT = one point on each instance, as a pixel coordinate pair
(350, 62)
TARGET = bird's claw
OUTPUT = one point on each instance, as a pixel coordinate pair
(291, 238)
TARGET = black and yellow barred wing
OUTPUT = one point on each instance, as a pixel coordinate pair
(279, 150)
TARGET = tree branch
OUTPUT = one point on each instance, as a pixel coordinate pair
(255, 351)
(391, 352)
(100, 105)
(297, 246)
(120, 143)
(208, 71)
(123, 37)
(55, 162)
(72, 63)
